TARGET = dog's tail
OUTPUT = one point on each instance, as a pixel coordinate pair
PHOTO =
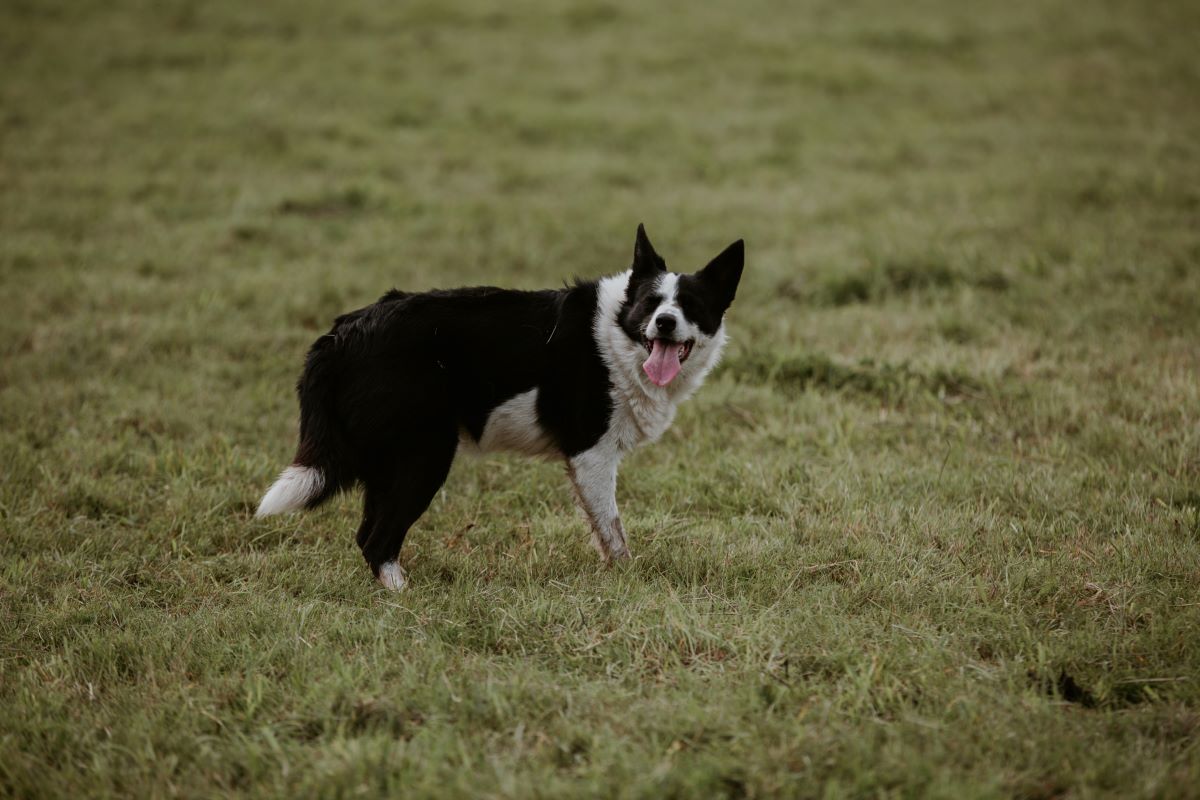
(321, 468)
(296, 487)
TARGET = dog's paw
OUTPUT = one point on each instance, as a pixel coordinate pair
(618, 555)
(392, 577)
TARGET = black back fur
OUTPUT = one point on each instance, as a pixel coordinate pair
(446, 359)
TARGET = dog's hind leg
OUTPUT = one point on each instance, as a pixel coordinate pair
(593, 473)
(393, 502)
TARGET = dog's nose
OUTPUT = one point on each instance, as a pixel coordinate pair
(665, 323)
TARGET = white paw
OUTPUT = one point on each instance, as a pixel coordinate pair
(392, 577)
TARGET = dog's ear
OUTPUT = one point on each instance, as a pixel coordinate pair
(722, 274)
(646, 262)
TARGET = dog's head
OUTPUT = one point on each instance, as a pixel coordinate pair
(678, 319)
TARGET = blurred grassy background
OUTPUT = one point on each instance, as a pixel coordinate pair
(933, 529)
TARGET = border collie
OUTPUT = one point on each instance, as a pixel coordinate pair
(583, 374)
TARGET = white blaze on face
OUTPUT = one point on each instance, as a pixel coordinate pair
(668, 288)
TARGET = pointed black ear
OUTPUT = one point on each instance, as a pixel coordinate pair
(722, 274)
(645, 260)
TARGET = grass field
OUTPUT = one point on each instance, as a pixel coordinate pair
(933, 529)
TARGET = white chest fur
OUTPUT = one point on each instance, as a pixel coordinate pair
(639, 419)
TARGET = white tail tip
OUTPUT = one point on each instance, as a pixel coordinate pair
(295, 487)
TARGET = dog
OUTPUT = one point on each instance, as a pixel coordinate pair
(582, 374)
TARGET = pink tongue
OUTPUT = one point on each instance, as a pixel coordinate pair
(663, 364)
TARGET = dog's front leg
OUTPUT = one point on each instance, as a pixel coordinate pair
(593, 473)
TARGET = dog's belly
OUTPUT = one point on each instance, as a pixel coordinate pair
(513, 427)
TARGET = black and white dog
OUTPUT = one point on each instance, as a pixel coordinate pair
(584, 374)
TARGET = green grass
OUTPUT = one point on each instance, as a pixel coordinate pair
(932, 530)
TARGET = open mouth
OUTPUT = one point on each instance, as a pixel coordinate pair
(665, 359)
(684, 348)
